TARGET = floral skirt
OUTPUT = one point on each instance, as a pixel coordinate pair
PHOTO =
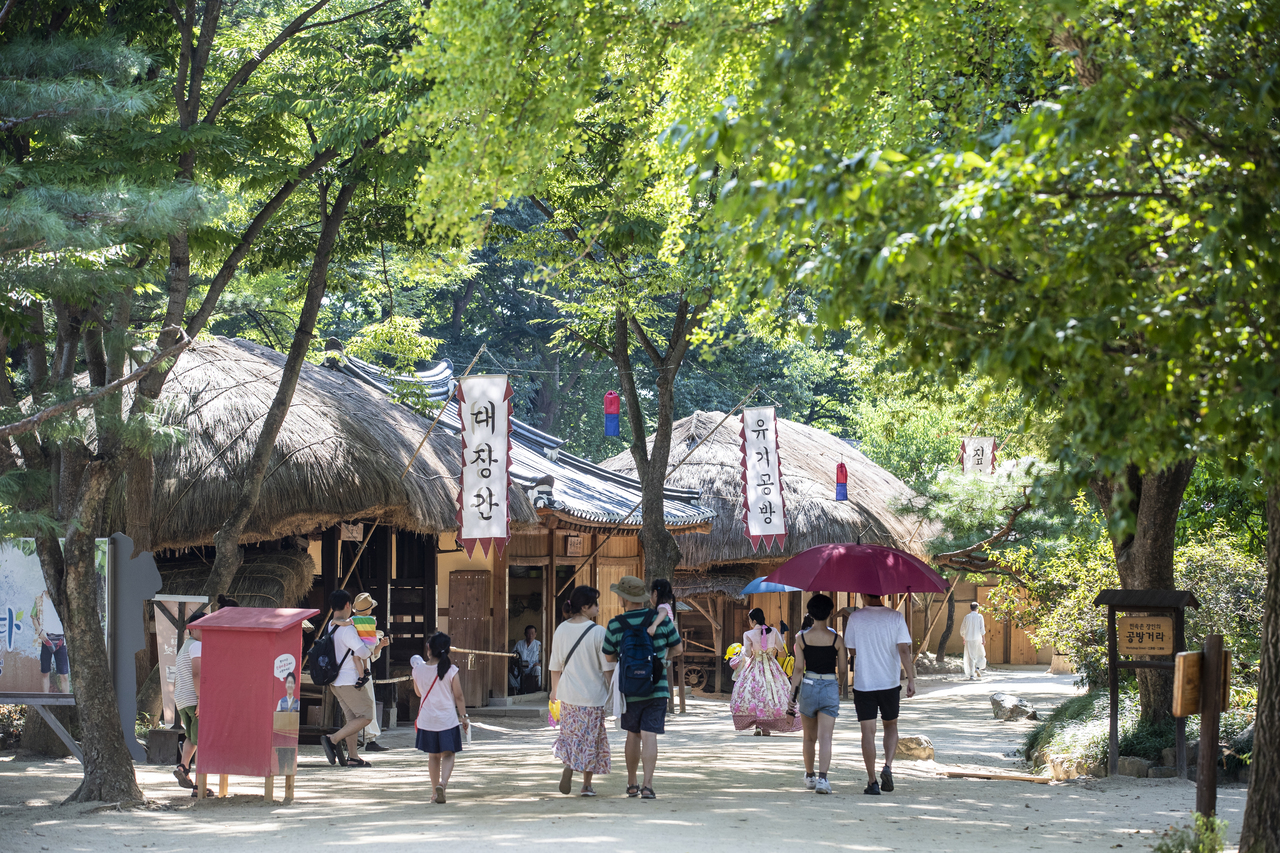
(760, 697)
(583, 742)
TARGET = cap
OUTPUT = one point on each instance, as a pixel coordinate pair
(631, 588)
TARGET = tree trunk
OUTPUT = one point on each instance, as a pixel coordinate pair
(71, 577)
(1144, 559)
(1260, 832)
(946, 631)
(228, 554)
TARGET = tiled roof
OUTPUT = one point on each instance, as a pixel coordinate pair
(583, 491)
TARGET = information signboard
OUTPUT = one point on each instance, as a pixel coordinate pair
(1144, 635)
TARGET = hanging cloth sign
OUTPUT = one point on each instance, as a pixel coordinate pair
(977, 455)
(484, 406)
(764, 511)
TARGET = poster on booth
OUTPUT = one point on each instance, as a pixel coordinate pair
(285, 717)
(484, 407)
(764, 511)
(33, 645)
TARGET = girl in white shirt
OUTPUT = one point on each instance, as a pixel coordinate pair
(442, 716)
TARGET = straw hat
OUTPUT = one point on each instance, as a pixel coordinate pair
(364, 603)
(631, 588)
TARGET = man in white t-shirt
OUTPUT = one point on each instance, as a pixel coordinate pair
(973, 630)
(880, 644)
(348, 687)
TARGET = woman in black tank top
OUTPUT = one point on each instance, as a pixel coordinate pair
(820, 655)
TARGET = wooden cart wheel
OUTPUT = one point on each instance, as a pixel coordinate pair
(694, 677)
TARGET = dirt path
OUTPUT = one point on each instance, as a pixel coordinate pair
(718, 791)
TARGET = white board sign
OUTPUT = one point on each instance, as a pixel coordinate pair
(764, 511)
(484, 406)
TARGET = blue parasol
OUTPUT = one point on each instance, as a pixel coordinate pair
(761, 585)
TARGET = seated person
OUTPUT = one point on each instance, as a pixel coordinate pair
(529, 652)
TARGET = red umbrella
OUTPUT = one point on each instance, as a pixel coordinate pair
(868, 569)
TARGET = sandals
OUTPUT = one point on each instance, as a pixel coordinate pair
(182, 774)
(587, 792)
(356, 761)
(646, 793)
(633, 790)
(566, 780)
(439, 798)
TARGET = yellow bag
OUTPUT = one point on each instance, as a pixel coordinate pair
(553, 712)
(788, 664)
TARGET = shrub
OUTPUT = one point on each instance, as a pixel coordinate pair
(1204, 835)
(12, 718)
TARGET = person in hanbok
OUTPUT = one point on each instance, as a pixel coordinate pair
(762, 691)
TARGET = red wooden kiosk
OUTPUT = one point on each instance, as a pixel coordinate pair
(248, 695)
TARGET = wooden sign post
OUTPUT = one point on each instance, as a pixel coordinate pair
(1154, 624)
(1202, 685)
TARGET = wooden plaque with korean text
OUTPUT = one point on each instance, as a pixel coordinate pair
(1144, 635)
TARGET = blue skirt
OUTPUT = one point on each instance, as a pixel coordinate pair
(449, 740)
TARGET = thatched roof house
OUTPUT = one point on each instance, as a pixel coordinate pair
(338, 458)
(808, 457)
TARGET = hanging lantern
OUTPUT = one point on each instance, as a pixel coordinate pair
(842, 482)
(612, 408)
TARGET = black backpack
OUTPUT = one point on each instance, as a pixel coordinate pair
(640, 667)
(324, 665)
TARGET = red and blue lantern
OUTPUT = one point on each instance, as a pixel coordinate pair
(612, 408)
(842, 482)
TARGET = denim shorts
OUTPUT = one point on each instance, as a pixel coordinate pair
(817, 694)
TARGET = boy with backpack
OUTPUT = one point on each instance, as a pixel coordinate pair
(642, 677)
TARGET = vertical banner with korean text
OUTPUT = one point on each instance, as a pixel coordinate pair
(484, 406)
(764, 511)
(978, 455)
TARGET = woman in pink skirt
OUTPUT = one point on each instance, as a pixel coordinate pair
(762, 691)
(580, 683)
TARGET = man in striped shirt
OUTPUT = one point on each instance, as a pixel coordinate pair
(646, 714)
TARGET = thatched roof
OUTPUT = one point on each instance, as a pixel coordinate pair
(699, 582)
(338, 458)
(278, 579)
(814, 516)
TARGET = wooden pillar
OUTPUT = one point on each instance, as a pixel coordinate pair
(1180, 723)
(498, 624)
(1113, 686)
(330, 557)
(594, 571)
(549, 593)
(380, 587)
(1210, 715)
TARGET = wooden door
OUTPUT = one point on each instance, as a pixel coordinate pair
(610, 606)
(997, 629)
(469, 625)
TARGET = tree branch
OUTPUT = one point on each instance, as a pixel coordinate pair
(964, 557)
(31, 423)
(242, 73)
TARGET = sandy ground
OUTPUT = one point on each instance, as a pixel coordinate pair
(718, 790)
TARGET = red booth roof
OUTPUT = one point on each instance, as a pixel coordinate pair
(256, 618)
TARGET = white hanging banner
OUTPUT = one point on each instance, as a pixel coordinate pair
(764, 510)
(484, 406)
(977, 455)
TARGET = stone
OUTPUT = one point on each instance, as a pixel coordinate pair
(1066, 767)
(1007, 707)
(914, 748)
(1131, 766)
(1169, 757)
(1061, 665)
(1162, 773)
(1099, 770)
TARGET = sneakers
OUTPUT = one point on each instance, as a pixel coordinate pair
(810, 782)
(873, 789)
(886, 779)
(374, 746)
(822, 786)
